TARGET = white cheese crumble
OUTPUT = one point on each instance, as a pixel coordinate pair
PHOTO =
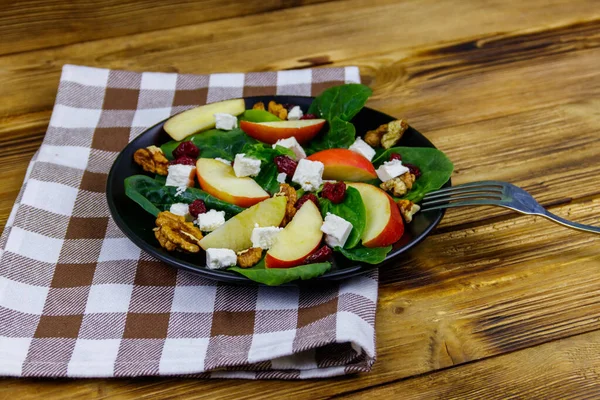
(245, 166)
(180, 175)
(361, 147)
(220, 258)
(309, 174)
(281, 177)
(264, 237)
(336, 230)
(295, 113)
(391, 169)
(292, 144)
(225, 121)
(210, 220)
(181, 209)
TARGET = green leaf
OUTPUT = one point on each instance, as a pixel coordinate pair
(341, 134)
(367, 255)
(343, 101)
(267, 177)
(352, 209)
(154, 197)
(435, 168)
(258, 116)
(279, 276)
(214, 143)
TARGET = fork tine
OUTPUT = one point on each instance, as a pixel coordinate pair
(465, 203)
(446, 198)
(472, 185)
(491, 190)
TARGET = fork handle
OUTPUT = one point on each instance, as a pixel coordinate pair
(570, 224)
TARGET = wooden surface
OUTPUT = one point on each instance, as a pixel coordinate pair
(493, 305)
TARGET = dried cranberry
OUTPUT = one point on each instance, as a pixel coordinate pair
(395, 156)
(413, 169)
(183, 160)
(308, 116)
(186, 149)
(305, 198)
(334, 192)
(197, 207)
(285, 165)
(321, 255)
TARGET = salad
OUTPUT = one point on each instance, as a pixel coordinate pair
(273, 191)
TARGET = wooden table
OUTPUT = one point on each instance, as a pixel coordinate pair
(494, 304)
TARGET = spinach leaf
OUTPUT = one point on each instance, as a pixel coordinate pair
(267, 177)
(279, 276)
(435, 168)
(343, 101)
(214, 143)
(341, 134)
(258, 116)
(154, 197)
(360, 253)
(352, 209)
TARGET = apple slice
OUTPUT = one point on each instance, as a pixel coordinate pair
(200, 118)
(218, 179)
(236, 232)
(299, 239)
(384, 223)
(270, 132)
(345, 165)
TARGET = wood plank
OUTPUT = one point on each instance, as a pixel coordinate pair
(34, 24)
(563, 369)
(458, 297)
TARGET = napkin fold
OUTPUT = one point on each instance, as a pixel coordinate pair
(78, 299)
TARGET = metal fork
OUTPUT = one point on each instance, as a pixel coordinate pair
(494, 193)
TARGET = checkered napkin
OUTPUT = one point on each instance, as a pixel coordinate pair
(78, 299)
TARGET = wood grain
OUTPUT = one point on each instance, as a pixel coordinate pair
(34, 24)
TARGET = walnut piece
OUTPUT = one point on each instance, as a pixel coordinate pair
(174, 233)
(278, 110)
(249, 257)
(290, 210)
(152, 159)
(407, 209)
(394, 133)
(387, 135)
(399, 185)
(259, 106)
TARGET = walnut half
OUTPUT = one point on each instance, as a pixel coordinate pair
(387, 135)
(278, 110)
(290, 208)
(174, 233)
(249, 257)
(152, 159)
(399, 185)
(407, 209)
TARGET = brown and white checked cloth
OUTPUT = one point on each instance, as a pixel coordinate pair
(78, 299)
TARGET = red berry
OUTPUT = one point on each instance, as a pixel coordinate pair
(186, 149)
(197, 207)
(305, 198)
(334, 192)
(286, 165)
(183, 160)
(413, 169)
(395, 156)
(321, 255)
(309, 116)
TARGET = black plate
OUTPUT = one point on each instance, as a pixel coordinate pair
(137, 224)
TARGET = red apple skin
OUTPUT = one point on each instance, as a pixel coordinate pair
(344, 165)
(392, 232)
(270, 134)
(238, 201)
(272, 262)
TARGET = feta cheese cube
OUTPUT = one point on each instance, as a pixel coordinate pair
(210, 220)
(264, 237)
(309, 174)
(181, 175)
(361, 147)
(181, 209)
(220, 258)
(281, 177)
(245, 166)
(224, 161)
(390, 169)
(295, 113)
(225, 121)
(292, 144)
(336, 230)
